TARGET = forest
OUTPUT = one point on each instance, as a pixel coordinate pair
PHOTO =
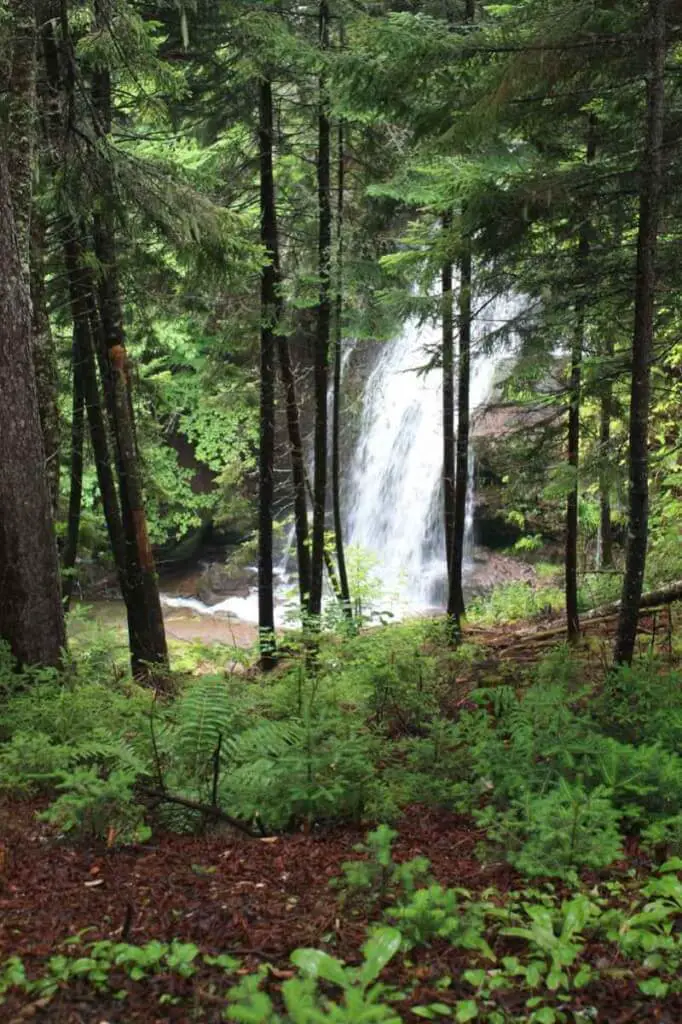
(340, 511)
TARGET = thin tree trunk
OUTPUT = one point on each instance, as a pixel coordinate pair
(146, 631)
(31, 614)
(455, 606)
(573, 456)
(298, 470)
(81, 300)
(456, 594)
(44, 361)
(295, 435)
(605, 415)
(321, 370)
(574, 397)
(269, 315)
(336, 386)
(643, 337)
(76, 474)
(448, 403)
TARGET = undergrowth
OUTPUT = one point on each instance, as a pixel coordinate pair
(555, 771)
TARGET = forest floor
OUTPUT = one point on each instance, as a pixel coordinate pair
(259, 899)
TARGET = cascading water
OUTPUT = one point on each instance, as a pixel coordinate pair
(395, 482)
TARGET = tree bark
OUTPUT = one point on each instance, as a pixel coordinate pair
(605, 415)
(295, 436)
(574, 398)
(643, 336)
(81, 299)
(269, 317)
(344, 589)
(455, 592)
(148, 651)
(448, 324)
(45, 362)
(321, 368)
(31, 614)
(76, 474)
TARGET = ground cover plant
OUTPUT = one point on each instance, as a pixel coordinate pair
(501, 850)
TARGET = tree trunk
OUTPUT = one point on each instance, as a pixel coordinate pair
(22, 121)
(605, 415)
(146, 631)
(574, 397)
(448, 404)
(321, 369)
(573, 456)
(81, 300)
(344, 589)
(643, 336)
(31, 614)
(44, 361)
(76, 473)
(295, 436)
(455, 591)
(269, 315)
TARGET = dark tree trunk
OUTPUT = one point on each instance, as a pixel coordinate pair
(296, 450)
(22, 121)
(81, 300)
(146, 631)
(643, 336)
(573, 439)
(44, 361)
(76, 473)
(605, 415)
(269, 315)
(573, 455)
(344, 589)
(448, 403)
(31, 614)
(455, 591)
(298, 470)
(321, 369)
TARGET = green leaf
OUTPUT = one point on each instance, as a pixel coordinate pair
(544, 1016)
(318, 964)
(379, 950)
(654, 987)
(467, 1009)
(674, 864)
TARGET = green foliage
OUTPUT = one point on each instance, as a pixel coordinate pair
(305, 999)
(513, 601)
(99, 807)
(568, 828)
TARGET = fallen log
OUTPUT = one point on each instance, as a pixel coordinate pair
(652, 600)
(664, 595)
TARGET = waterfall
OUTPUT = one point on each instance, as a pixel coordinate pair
(394, 505)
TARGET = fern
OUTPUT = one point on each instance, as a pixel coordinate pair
(205, 714)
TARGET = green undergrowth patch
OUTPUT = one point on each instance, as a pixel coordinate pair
(556, 772)
(538, 955)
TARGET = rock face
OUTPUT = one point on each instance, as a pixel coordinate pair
(218, 581)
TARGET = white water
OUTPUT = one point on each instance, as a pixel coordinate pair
(395, 511)
(394, 491)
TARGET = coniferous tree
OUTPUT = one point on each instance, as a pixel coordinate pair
(31, 614)
(651, 192)
(321, 362)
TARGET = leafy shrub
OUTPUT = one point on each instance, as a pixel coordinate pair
(567, 829)
(102, 807)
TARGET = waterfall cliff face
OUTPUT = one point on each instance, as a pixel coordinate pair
(394, 500)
